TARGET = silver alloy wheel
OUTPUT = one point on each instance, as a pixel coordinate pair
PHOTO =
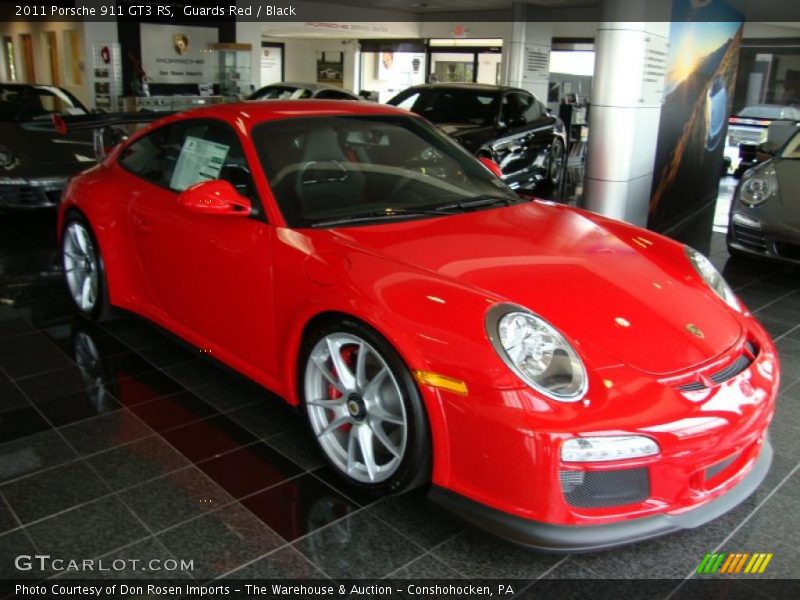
(355, 407)
(80, 266)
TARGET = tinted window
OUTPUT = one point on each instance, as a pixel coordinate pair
(180, 155)
(333, 95)
(520, 109)
(331, 168)
(451, 105)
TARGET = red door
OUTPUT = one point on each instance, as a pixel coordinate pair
(210, 275)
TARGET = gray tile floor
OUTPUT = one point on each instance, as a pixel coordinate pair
(119, 442)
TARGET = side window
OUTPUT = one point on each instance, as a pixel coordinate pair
(210, 150)
(147, 156)
(179, 155)
(409, 101)
(535, 110)
(333, 95)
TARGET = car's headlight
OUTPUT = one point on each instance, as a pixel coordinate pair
(712, 277)
(596, 449)
(759, 185)
(6, 157)
(537, 352)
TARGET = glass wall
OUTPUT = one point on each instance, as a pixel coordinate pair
(769, 73)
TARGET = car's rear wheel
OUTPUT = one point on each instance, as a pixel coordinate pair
(83, 268)
(364, 409)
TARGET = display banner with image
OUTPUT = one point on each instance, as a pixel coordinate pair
(701, 72)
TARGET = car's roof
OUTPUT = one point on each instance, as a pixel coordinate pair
(476, 87)
(255, 111)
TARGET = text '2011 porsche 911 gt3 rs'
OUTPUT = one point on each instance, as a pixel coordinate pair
(563, 380)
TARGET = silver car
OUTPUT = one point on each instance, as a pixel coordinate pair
(765, 211)
(299, 91)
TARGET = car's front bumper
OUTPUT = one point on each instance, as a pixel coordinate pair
(766, 231)
(569, 538)
(20, 193)
(504, 451)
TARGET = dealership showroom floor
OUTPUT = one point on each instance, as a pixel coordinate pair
(119, 441)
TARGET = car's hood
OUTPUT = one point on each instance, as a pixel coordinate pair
(41, 151)
(631, 295)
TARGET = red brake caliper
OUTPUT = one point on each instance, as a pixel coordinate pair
(349, 356)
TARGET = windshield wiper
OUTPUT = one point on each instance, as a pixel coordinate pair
(380, 215)
(476, 202)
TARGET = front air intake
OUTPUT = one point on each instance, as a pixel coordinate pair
(600, 489)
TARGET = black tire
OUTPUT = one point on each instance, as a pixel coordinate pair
(556, 164)
(100, 309)
(414, 467)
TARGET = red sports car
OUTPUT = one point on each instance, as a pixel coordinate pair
(566, 381)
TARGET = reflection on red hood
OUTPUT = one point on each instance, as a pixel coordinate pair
(631, 294)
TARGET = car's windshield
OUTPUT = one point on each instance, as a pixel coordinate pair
(282, 92)
(333, 170)
(451, 105)
(768, 112)
(29, 103)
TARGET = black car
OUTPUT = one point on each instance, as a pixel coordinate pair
(508, 125)
(36, 161)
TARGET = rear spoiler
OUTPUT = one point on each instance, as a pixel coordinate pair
(98, 124)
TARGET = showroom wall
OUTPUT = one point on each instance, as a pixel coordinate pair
(88, 33)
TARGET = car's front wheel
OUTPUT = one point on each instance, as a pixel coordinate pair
(364, 409)
(83, 267)
(556, 164)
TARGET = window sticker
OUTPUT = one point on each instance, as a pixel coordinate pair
(199, 160)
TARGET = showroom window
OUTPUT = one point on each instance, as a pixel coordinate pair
(8, 57)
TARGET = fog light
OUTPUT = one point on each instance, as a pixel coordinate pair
(746, 220)
(596, 449)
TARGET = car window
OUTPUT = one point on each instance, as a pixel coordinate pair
(409, 101)
(179, 155)
(146, 157)
(333, 95)
(331, 168)
(451, 105)
(32, 103)
(520, 109)
(792, 148)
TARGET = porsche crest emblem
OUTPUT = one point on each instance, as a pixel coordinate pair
(181, 43)
(695, 330)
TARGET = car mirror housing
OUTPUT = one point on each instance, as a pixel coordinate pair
(491, 165)
(215, 197)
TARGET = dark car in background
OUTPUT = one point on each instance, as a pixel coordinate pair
(748, 129)
(36, 161)
(507, 125)
(765, 211)
(301, 91)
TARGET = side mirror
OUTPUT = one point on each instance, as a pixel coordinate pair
(215, 197)
(491, 165)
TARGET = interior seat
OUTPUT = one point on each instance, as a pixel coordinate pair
(326, 179)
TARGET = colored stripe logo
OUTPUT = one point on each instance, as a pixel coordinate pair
(734, 562)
